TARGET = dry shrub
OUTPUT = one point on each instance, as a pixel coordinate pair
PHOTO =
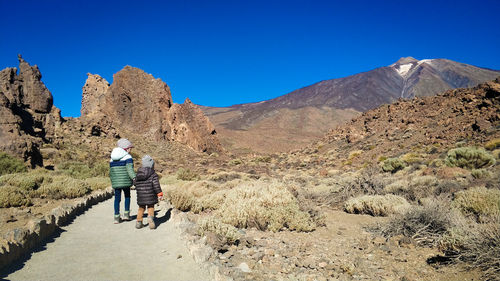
(224, 176)
(265, 206)
(481, 249)
(469, 157)
(187, 175)
(180, 198)
(412, 158)
(9, 164)
(98, 183)
(192, 196)
(25, 181)
(476, 244)
(354, 154)
(425, 224)
(225, 232)
(479, 202)
(63, 187)
(376, 205)
(12, 196)
(492, 144)
(393, 165)
(367, 181)
(481, 174)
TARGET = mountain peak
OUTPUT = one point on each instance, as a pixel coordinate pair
(406, 60)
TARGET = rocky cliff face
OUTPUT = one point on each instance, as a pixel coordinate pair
(28, 117)
(138, 103)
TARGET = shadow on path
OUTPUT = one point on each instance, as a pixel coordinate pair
(21, 261)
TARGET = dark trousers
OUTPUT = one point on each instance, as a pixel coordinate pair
(118, 198)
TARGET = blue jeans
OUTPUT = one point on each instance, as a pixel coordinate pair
(118, 195)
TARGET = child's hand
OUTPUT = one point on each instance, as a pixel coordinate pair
(160, 196)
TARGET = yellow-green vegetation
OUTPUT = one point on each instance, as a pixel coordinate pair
(412, 158)
(479, 202)
(187, 175)
(13, 196)
(225, 232)
(82, 170)
(393, 165)
(492, 144)
(263, 159)
(469, 158)
(224, 176)
(418, 187)
(235, 162)
(481, 173)
(354, 154)
(63, 187)
(9, 164)
(21, 188)
(262, 204)
(376, 205)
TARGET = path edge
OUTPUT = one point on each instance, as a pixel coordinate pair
(22, 241)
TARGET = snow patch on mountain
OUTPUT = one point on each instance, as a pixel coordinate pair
(404, 68)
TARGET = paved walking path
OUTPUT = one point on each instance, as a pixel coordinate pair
(93, 248)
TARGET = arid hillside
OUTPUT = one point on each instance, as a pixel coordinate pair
(309, 112)
(406, 191)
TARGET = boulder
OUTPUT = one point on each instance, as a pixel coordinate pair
(138, 103)
(28, 117)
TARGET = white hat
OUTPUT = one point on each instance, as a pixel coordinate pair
(124, 143)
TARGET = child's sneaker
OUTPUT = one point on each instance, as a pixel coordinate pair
(118, 219)
(151, 222)
(126, 216)
(139, 225)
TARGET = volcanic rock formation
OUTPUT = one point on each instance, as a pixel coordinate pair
(137, 103)
(28, 117)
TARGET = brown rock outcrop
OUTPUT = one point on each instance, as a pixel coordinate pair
(470, 115)
(27, 114)
(138, 103)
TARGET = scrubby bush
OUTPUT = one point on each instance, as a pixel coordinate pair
(12, 196)
(224, 176)
(9, 164)
(492, 144)
(235, 162)
(480, 248)
(98, 183)
(425, 224)
(393, 165)
(481, 173)
(187, 175)
(354, 154)
(469, 157)
(479, 202)
(265, 206)
(25, 181)
(376, 205)
(412, 158)
(64, 187)
(225, 232)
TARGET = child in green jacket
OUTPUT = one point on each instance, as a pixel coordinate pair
(121, 172)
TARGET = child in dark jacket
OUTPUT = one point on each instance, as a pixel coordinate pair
(148, 190)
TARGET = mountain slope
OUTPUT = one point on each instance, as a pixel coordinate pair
(344, 98)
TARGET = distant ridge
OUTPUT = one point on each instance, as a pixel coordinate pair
(343, 98)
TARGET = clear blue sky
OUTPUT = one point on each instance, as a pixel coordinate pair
(220, 53)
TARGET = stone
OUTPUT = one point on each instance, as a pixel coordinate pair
(138, 103)
(244, 267)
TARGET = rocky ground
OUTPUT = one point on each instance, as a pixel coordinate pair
(342, 250)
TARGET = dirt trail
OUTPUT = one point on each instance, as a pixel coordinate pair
(93, 248)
